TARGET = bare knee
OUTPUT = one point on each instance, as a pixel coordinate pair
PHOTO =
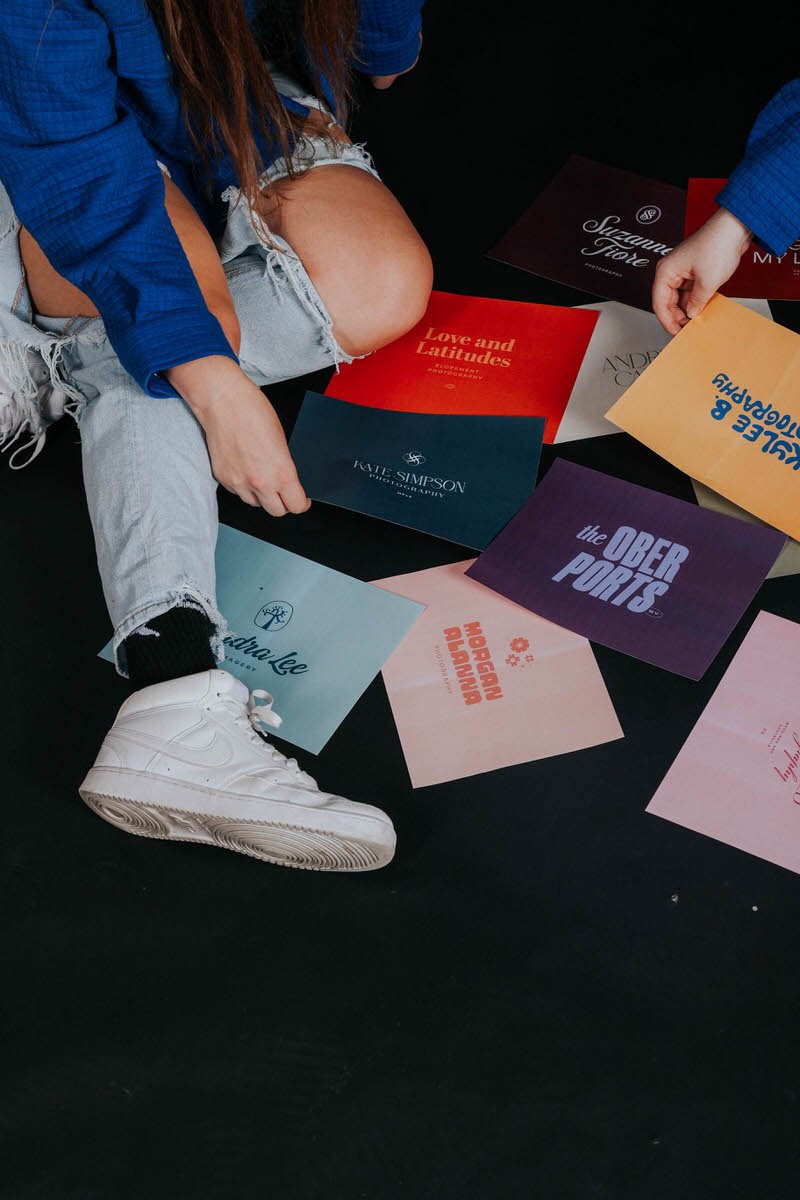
(362, 253)
(389, 292)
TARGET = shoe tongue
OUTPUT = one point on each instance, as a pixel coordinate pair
(231, 686)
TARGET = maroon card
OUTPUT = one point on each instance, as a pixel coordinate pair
(760, 274)
(599, 229)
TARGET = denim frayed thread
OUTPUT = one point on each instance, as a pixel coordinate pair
(33, 394)
(279, 258)
(186, 595)
(34, 391)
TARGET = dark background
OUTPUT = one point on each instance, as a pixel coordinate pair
(549, 992)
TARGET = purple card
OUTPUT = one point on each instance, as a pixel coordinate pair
(657, 578)
(599, 229)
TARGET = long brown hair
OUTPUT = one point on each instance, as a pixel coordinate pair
(224, 88)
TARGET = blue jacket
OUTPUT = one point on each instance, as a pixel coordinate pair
(764, 190)
(87, 110)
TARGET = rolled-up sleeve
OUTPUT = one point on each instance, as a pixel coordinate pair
(764, 189)
(388, 36)
(86, 185)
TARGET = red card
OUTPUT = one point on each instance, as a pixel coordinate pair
(759, 274)
(476, 357)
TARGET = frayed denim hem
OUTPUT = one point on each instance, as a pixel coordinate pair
(243, 233)
(186, 596)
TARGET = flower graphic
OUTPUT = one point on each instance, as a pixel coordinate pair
(512, 660)
(528, 658)
(519, 644)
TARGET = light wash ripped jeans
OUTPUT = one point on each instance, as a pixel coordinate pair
(147, 474)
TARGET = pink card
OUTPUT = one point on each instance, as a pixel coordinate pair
(480, 683)
(737, 777)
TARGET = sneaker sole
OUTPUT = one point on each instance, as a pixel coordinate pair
(283, 843)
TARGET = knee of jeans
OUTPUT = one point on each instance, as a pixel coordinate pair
(392, 291)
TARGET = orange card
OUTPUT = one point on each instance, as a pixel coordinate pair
(722, 402)
(477, 357)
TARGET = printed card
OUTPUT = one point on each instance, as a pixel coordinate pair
(312, 637)
(599, 229)
(737, 777)
(655, 577)
(480, 683)
(476, 357)
(787, 562)
(759, 273)
(460, 478)
(721, 403)
(624, 343)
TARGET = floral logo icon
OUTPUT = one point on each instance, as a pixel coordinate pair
(414, 457)
(519, 653)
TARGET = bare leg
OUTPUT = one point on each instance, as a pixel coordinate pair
(55, 296)
(363, 255)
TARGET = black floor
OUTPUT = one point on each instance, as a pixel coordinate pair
(549, 993)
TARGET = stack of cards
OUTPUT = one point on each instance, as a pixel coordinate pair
(476, 357)
(486, 661)
(624, 343)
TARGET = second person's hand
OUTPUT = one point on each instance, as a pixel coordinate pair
(689, 275)
(246, 442)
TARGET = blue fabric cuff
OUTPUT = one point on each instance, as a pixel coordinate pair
(379, 57)
(149, 347)
(766, 202)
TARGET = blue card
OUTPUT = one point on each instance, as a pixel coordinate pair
(312, 637)
(459, 477)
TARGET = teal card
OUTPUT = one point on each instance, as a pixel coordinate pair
(312, 637)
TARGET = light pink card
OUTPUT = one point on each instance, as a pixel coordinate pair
(480, 683)
(737, 777)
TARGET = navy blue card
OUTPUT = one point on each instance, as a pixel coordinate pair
(459, 477)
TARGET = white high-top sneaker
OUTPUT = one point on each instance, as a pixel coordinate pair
(184, 761)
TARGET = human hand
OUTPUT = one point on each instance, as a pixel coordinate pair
(688, 276)
(246, 443)
(382, 82)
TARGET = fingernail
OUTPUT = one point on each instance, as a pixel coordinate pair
(692, 311)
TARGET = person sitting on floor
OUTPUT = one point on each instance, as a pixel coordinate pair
(184, 221)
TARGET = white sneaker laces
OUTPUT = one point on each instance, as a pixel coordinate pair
(262, 714)
(261, 717)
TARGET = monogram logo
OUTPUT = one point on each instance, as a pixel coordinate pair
(648, 214)
(414, 457)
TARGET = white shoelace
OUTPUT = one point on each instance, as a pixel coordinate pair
(260, 718)
(262, 714)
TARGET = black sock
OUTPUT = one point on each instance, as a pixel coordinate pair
(178, 645)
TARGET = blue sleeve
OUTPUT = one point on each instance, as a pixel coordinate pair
(388, 36)
(764, 190)
(85, 183)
